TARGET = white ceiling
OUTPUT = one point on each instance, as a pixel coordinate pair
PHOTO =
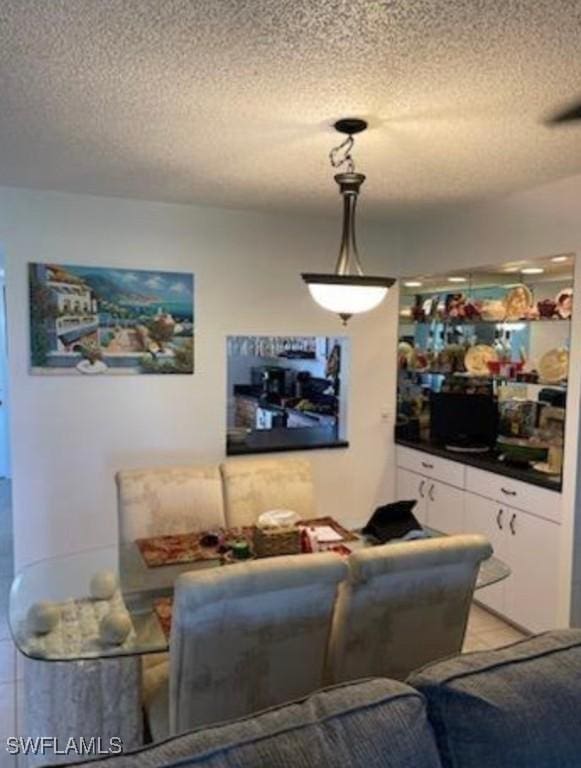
(228, 102)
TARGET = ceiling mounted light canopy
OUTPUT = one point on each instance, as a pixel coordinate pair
(348, 291)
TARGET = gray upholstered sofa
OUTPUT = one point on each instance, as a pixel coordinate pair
(518, 707)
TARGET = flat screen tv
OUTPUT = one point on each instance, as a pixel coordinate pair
(463, 421)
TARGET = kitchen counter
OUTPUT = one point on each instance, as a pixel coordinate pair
(487, 461)
(282, 439)
(243, 392)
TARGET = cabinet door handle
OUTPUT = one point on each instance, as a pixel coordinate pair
(427, 465)
(511, 525)
(431, 492)
(499, 518)
(507, 492)
(421, 489)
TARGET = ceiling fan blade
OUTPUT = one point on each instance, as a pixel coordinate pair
(568, 115)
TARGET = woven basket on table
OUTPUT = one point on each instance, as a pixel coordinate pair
(270, 541)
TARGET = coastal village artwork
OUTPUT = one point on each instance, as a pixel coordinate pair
(95, 320)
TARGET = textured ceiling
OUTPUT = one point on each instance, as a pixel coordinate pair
(228, 102)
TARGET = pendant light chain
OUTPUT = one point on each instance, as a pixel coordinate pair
(341, 155)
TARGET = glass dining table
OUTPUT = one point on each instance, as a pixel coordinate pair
(82, 676)
(62, 588)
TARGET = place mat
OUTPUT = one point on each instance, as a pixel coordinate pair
(330, 522)
(182, 548)
(185, 547)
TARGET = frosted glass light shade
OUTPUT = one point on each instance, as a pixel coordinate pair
(348, 295)
(347, 299)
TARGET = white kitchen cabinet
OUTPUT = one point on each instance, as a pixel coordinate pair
(504, 490)
(445, 507)
(533, 556)
(530, 547)
(411, 486)
(520, 520)
(435, 467)
(490, 519)
(438, 505)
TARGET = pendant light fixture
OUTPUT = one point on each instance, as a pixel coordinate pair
(348, 291)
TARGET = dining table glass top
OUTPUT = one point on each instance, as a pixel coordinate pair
(107, 602)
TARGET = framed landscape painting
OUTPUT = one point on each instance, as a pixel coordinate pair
(99, 320)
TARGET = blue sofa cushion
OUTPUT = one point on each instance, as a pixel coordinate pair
(517, 707)
(367, 724)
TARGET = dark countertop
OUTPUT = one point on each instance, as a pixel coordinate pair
(283, 439)
(488, 462)
(246, 394)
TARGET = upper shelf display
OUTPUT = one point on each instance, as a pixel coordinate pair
(483, 364)
(516, 303)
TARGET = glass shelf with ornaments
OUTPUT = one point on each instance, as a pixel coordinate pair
(407, 318)
(524, 379)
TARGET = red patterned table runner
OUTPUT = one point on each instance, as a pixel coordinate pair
(185, 547)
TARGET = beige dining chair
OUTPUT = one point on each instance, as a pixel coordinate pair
(244, 637)
(404, 605)
(254, 486)
(167, 500)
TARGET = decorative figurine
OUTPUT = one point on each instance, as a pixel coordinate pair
(115, 627)
(103, 585)
(43, 617)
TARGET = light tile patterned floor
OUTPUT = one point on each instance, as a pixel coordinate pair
(486, 631)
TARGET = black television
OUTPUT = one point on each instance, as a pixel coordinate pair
(462, 421)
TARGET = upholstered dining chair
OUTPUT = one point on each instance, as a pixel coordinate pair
(254, 486)
(404, 605)
(165, 500)
(244, 637)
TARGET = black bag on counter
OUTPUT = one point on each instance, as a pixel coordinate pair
(392, 521)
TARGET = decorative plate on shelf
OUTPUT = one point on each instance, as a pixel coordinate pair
(493, 309)
(405, 352)
(554, 365)
(478, 357)
(518, 302)
(564, 301)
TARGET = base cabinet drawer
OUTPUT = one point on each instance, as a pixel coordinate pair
(434, 467)
(530, 547)
(505, 490)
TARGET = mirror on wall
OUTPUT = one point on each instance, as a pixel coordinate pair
(286, 393)
(483, 363)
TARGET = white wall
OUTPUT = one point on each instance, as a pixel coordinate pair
(539, 222)
(70, 434)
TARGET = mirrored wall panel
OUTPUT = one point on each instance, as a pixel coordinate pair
(483, 365)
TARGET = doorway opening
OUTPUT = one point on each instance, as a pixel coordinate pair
(6, 536)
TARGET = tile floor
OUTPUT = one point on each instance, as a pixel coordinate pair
(485, 631)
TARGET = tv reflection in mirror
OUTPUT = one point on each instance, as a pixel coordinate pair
(286, 393)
